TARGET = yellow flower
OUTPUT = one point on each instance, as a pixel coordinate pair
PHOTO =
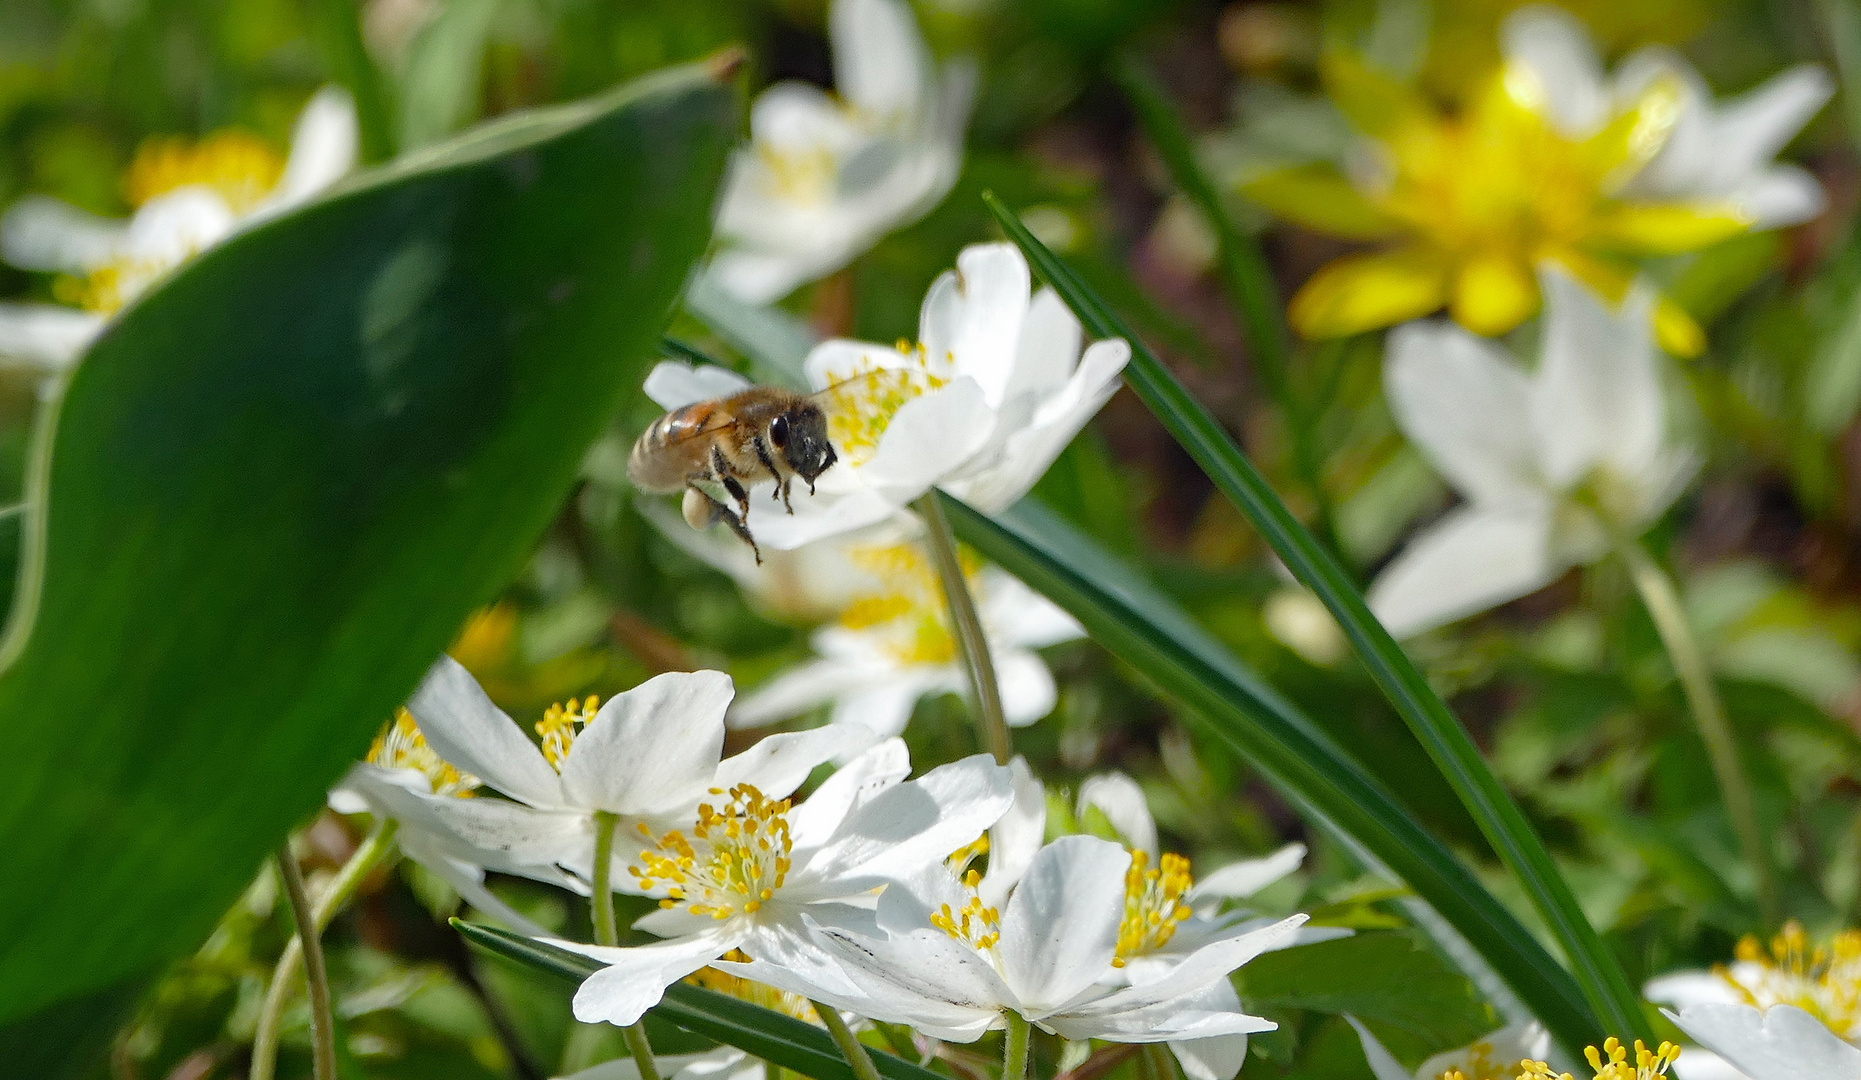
(1469, 203)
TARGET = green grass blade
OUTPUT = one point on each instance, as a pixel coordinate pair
(778, 1039)
(1230, 703)
(1447, 743)
(280, 482)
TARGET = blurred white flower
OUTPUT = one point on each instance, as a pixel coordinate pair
(940, 959)
(1778, 1043)
(650, 756)
(1713, 152)
(826, 176)
(892, 645)
(1497, 1056)
(753, 874)
(187, 198)
(1551, 464)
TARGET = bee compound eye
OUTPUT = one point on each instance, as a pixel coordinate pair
(778, 431)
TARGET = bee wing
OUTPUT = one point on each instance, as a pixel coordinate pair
(674, 384)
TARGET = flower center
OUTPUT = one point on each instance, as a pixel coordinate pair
(782, 1001)
(401, 746)
(1481, 1066)
(561, 724)
(1824, 981)
(803, 174)
(974, 924)
(960, 859)
(734, 862)
(906, 614)
(860, 401)
(1152, 904)
(107, 287)
(239, 166)
(1611, 1063)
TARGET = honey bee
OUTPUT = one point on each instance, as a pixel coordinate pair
(762, 433)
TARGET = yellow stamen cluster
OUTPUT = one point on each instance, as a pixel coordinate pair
(860, 403)
(907, 612)
(561, 724)
(733, 863)
(1611, 1063)
(1152, 904)
(782, 1001)
(975, 924)
(401, 746)
(1481, 1065)
(239, 166)
(1822, 980)
(960, 859)
(803, 174)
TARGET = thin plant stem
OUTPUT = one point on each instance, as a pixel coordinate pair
(1662, 601)
(375, 847)
(322, 1026)
(1161, 1062)
(850, 1047)
(967, 627)
(1014, 1047)
(601, 904)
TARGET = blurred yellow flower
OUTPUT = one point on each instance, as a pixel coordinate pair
(1471, 203)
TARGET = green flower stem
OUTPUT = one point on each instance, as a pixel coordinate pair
(322, 1026)
(1159, 1062)
(601, 903)
(1662, 601)
(849, 1044)
(970, 640)
(375, 847)
(1014, 1047)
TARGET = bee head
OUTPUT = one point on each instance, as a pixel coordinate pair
(800, 436)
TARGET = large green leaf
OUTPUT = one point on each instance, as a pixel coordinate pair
(777, 1039)
(1604, 985)
(1381, 978)
(1230, 703)
(280, 482)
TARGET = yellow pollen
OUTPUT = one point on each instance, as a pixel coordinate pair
(1480, 1065)
(960, 859)
(861, 402)
(1822, 980)
(1612, 1062)
(401, 746)
(734, 862)
(239, 166)
(974, 924)
(906, 613)
(561, 724)
(1152, 904)
(805, 175)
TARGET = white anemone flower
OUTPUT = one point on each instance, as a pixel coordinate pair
(980, 407)
(826, 176)
(1714, 152)
(892, 646)
(649, 756)
(1497, 1056)
(751, 873)
(943, 961)
(188, 199)
(1552, 464)
(1781, 1042)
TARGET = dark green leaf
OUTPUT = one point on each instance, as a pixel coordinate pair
(1606, 988)
(280, 482)
(780, 1040)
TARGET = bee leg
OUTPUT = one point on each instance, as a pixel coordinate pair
(790, 507)
(701, 507)
(768, 463)
(720, 471)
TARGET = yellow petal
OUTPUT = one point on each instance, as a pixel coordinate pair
(1637, 133)
(1676, 330)
(1494, 293)
(1668, 228)
(1318, 197)
(1375, 104)
(1364, 292)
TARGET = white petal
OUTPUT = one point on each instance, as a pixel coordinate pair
(761, 276)
(880, 64)
(1515, 1042)
(1683, 989)
(1754, 126)
(1027, 687)
(884, 706)
(674, 1065)
(1238, 881)
(1780, 1043)
(973, 315)
(1782, 195)
(673, 384)
(495, 833)
(1467, 406)
(1554, 46)
(798, 117)
(1167, 1022)
(882, 767)
(651, 748)
(465, 729)
(466, 879)
(635, 979)
(1016, 615)
(1015, 838)
(174, 227)
(1118, 797)
(1048, 351)
(1699, 1063)
(925, 978)
(912, 824)
(1026, 454)
(1469, 561)
(42, 233)
(1382, 1062)
(323, 148)
(1597, 396)
(778, 764)
(1060, 930)
(793, 692)
(1219, 1057)
(928, 438)
(46, 335)
(1207, 964)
